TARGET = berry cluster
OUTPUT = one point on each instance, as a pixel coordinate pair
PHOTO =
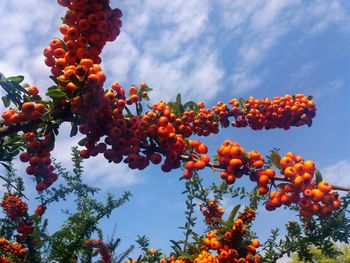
(211, 211)
(14, 207)
(280, 112)
(11, 251)
(25, 228)
(88, 25)
(202, 123)
(236, 161)
(101, 247)
(40, 210)
(300, 188)
(38, 156)
(231, 244)
(29, 111)
(198, 158)
(206, 257)
(17, 210)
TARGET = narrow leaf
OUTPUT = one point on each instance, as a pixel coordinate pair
(17, 79)
(275, 159)
(242, 103)
(56, 94)
(233, 213)
(74, 130)
(319, 177)
(6, 101)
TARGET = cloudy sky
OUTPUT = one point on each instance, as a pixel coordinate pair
(208, 51)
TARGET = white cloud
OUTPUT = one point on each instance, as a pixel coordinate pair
(167, 44)
(26, 28)
(325, 14)
(303, 73)
(331, 87)
(108, 175)
(338, 173)
(261, 25)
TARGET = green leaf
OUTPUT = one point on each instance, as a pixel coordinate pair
(82, 141)
(178, 98)
(310, 97)
(73, 78)
(20, 88)
(191, 105)
(17, 79)
(146, 98)
(275, 159)
(54, 87)
(242, 103)
(233, 213)
(74, 129)
(319, 177)
(8, 168)
(56, 94)
(54, 80)
(129, 112)
(179, 104)
(6, 101)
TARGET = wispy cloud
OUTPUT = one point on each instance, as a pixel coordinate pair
(337, 173)
(303, 74)
(262, 25)
(110, 175)
(177, 56)
(329, 88)
(26, 28)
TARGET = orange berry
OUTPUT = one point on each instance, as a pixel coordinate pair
(290, 172)
(255, 243)
(263, 190)
(291, 155)
(163, 121)
(236, 163)
(309, 166)
(199, 165)
(263, 180)
(215, 244)
(324, 186)
(202, 148)
(270, 173)
(286, 162)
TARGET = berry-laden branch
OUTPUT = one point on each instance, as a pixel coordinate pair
(299, 185)
(139, 138)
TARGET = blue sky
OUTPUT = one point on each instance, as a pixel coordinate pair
(209, 51)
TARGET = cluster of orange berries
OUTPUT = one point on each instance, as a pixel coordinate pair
(38, 156)
(102, 249)
(202, 123)
(25, 228)
(17, 210)
(231, 245)
(163, 132)
(14, 207)
(198, 158)
(236, 161)
(211, 211)
(88, 25)
(206, 257)
(300, 188)
(40, 210)
(11, 251)
(280, 112)
(30, 111)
